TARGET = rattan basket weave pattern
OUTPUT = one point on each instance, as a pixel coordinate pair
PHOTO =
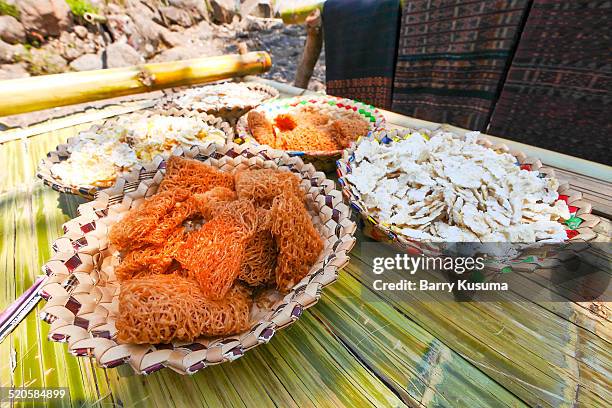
(230, 113)
(578, 227)
(61, 152)
(82, 293)
(333, 106)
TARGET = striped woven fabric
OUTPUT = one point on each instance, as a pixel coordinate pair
(453, 56)
(360, 49)
(557, 93)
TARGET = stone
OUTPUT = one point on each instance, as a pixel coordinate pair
(71, 47)
(173, 38)
(143, 9)
(122, 55)
(11, 30)
(114, 8)
(13, 71)
(87, 62)
(196, 8)
(120, 27)
(45, 60)
(187, 52)
(175, 15)
(147, 32)
(10, 53)
(257, 8)
(223, 11)
(80, 31)
(202, 31)
(47, 17)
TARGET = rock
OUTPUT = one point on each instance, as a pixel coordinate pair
(174, 15)
(45, 60)
(148, 33)
(47, 17)
(10, 53)
(143, 9)
(256, 8)
(80, 31)
(114, 8)
(71, 47)
(173, 38)
(187, 52)
(196, 8)
(122, 55)
(11, 30)
(223, 11)
(293, 30)
(260, 25)
(13, 71)
(202, 31)
(120, 26)
(87, 62)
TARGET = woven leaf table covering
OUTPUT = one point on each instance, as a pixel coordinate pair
(353, 348)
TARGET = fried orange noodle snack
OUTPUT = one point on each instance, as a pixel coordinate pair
(194, 176)
(260, 253)
(213, 201)
(213, 254)
(347, 130)
(151, 259)
(162, 308)
(261, 128)
(153, 220)
(261, 186)
(298, 241)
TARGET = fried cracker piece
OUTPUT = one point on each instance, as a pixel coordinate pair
(261, 128)
(153, 220)
(298, 241)
(152, 259)
(194, 176)
(164, 308)
(260, 253)
(349, 129)
(213, 254)
(262, 185)
(214, 201)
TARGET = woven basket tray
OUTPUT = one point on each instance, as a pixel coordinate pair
(61, 152)
(82, 293)
(333, 106)
(232, 113)
(578, 227)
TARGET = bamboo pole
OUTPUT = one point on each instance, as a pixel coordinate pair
(49, 91)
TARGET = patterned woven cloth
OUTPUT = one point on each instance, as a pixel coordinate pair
(557, 93)
(453, 56)
(360, 49)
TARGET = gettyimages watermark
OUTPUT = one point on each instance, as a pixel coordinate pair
(488, 272)
(412, 264)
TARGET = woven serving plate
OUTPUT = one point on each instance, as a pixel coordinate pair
(333, 106)
(82, 293)
(578, 227)
(229, 113)
(61, 152)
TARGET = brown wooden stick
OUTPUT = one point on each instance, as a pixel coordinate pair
(312, 49)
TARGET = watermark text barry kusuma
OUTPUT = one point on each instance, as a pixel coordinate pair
(425, 285)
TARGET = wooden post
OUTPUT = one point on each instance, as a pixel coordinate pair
(312, 49)
(49, 91)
